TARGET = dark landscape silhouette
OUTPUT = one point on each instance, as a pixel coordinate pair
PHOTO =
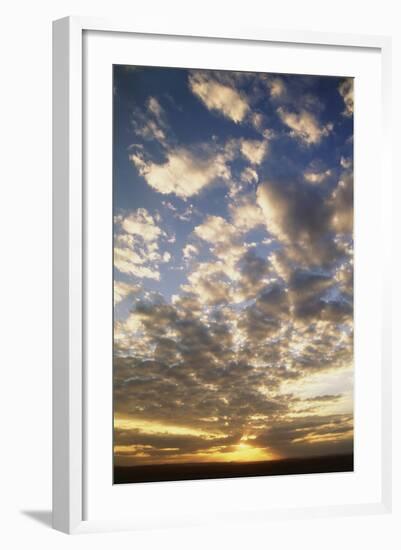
(213, 470)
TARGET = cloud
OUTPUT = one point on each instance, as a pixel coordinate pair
(346, 90)
(150, 123)
(218, 96)
(307, 292)
(126, 260)
(185, 172)
(316, 177)
(248, 352)
(209, 284)
(277, 87)
(227, 277)
(224, 242)
(141, 223)
(254, 150)
(346, 162)
(298, 215)
(189, 251)
(311, 435)
(246, 214)
(200, 374)
(124, 290)
(184, 215)
(216, 230)
(257, 120)
(150, 130)
(155, 108)
(342, 201)
(249, 175)
(136, 245)
(204, 386)
(326, 397)
(304, 126)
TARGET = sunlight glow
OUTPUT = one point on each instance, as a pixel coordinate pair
(154, 427)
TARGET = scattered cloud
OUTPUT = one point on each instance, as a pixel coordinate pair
(249, 175)
(217, 378)
(233, 334)
(185, 172)
(257, 120)
(346, 162)
(136, 245)
(254, 150)
(276, 87)
(315, 177)
(346, 90)
(150, 123)
(189, 251)
(141, 224)
(304, 126)
(299, 216)
(342, 201)
(123, 290)
(218, 96)
(157, 110)
(246, 214)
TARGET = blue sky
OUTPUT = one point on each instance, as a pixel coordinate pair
(233, 223)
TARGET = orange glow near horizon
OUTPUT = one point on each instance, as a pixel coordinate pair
(156, 427)
(243, 452)
(240, 452)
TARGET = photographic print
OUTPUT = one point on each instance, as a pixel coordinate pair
(233, 274)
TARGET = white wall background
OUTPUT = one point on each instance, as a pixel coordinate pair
(25, 218)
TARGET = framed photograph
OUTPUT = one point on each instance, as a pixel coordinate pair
(221, 324)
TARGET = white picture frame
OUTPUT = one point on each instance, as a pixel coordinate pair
(70, 425)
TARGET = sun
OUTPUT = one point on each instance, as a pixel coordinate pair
(244, 452)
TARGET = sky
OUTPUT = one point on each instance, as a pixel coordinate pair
(233, 265)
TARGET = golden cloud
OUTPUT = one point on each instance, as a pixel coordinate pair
(218, 96)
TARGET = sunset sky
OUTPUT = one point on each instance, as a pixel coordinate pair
(233, 266)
